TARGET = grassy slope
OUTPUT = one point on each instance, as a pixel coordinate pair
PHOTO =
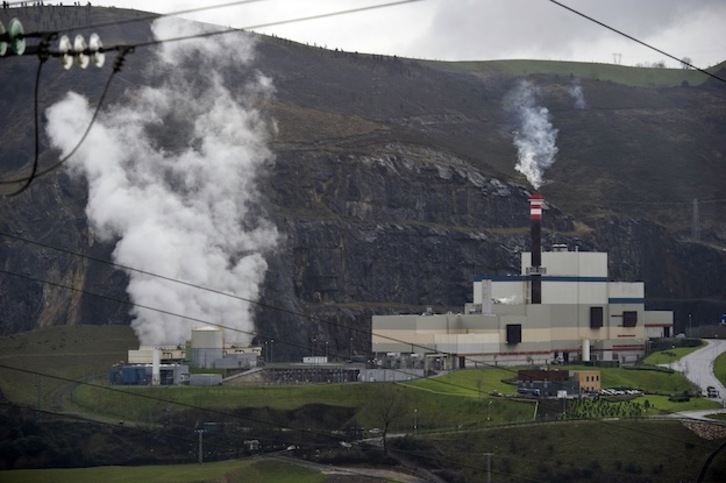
(670, 355)
(719, 368)
(75, 352)
(631, 76)
(71, 352)
(456, 401)
(580, 451)
(235, 470)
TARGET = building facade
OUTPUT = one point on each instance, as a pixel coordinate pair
(560, 308)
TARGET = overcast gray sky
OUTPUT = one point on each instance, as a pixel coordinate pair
(484, 29)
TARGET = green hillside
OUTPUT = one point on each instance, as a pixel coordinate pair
(619, 74)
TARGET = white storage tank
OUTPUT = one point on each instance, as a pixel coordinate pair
(207, 346)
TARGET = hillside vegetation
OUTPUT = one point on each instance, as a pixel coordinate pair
(144, 420)
(619, 74)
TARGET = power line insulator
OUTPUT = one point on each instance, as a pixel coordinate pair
(79, 47)
(96, 47)
(12, 38)
(64, 47)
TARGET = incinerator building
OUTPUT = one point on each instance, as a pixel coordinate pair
(561, 307)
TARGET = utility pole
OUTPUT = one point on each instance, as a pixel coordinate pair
(201, 450)
(489, 466)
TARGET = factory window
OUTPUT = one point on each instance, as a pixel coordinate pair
(630, 318)
(514, 333)
(596, 317)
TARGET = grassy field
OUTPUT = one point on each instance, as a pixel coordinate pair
(227, 471)
(435, 409)
(640, 450)
(670, 355)
(719, 368)
(74, 352)
(621, 74)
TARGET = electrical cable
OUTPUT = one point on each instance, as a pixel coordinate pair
(630, 37)
(77, 417)
(182, 404)
(233, 296)
(35, 172)
(260, 26)
(155, 16)
(243, 299)
(277, 23)
(127, 48)
(225, 448)
(234, 329)
(219, 325)
(33, 175)
(34, 169)
(437, 380)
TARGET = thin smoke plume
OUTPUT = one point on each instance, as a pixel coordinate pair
(171, 176)
(578, 95)
(536, 137)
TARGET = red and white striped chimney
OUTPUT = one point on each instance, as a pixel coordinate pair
(535, 216)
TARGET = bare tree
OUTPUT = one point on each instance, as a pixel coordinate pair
(388, 404)
(686, 62)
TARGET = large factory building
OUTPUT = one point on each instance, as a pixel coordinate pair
(561, 308)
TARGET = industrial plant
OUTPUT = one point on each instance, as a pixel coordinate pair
(170, 365)
(561, 308)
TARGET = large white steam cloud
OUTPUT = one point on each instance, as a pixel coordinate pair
(536, 137)
(171, 174)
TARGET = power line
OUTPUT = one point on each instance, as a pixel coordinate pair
(77, 417)
(222, 326)
(123, 49)
(235, 329)
(35, 172)
(630, 37)
(330, 323)
(169, 401)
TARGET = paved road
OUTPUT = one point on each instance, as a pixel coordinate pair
(387, 475)
(697, 367)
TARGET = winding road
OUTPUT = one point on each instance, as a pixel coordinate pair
(697, 367)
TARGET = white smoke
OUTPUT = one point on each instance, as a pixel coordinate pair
(171, 174)
(536, 137)
(578, 95)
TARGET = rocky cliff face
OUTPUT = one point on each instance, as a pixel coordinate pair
(393, 187)
(406, 227)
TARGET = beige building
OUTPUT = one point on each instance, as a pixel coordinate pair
(582, 316)
(589, 380)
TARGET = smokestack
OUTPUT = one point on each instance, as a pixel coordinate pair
(535, 271)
